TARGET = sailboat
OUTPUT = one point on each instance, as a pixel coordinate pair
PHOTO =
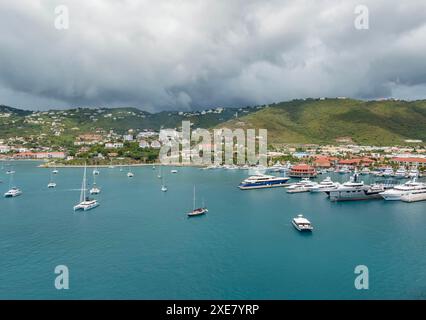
(96, 171)
(51, 184)
(159, 174)
(130, 173)
(55, 171)
(94, 189)
(111, 165)
(163, 186)
(197, 211)
(85, 202)
(13, 191)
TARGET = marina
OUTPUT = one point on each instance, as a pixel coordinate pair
(137, 227)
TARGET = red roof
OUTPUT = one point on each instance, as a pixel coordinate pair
(409, 159)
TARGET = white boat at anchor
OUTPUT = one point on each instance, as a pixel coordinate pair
(301, 223)
(85, 203)
(197, 211)
(95, 189)
(13, 192)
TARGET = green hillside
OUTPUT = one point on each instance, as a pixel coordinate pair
(323, 121)
(299, 121)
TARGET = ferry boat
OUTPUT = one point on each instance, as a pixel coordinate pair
(354, 190)
(401, 173)
(418, 195)
(326, 185)
(263, 181)
(302, 171)
(301, 223)
(13, 192)
(405, 189)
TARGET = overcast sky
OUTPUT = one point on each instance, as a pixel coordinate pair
(192, 54)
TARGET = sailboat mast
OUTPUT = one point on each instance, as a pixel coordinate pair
(194, 199)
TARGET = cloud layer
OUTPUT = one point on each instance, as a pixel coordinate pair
(191, 54)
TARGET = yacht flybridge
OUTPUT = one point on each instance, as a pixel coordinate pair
(85, 202)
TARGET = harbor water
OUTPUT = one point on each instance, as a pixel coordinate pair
(140, 244)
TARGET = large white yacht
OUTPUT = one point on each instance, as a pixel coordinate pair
(388, 172)
(263, 181)
(355, 190)
(418, 195)
(326, 185)
(301, 186)
(414, 172)
(404, 189)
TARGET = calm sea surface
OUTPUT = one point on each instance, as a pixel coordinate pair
(139, 244)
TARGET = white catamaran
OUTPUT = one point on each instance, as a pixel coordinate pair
(85, 202)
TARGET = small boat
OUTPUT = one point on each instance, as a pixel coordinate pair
(302, 224)
(130, 174)
(197, 211)
(163, 186)
(174, 171)
(96, 172)
(388, 172)
(55, 171)
(51, 185)
(85, 203)
(10, 172)
(95, 189)
(13, 192)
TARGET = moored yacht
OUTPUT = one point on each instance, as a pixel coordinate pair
(365, 171)
(414, 172)
(326, 185)
(418, 195)
(405, 189)
(301, 223)
(355, 190)
(262, 181)
(401, 173)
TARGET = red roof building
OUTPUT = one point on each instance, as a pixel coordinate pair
(302, 171)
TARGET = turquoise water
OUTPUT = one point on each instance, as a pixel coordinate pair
(139, 244)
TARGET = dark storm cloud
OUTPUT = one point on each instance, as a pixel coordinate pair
(171, 54)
